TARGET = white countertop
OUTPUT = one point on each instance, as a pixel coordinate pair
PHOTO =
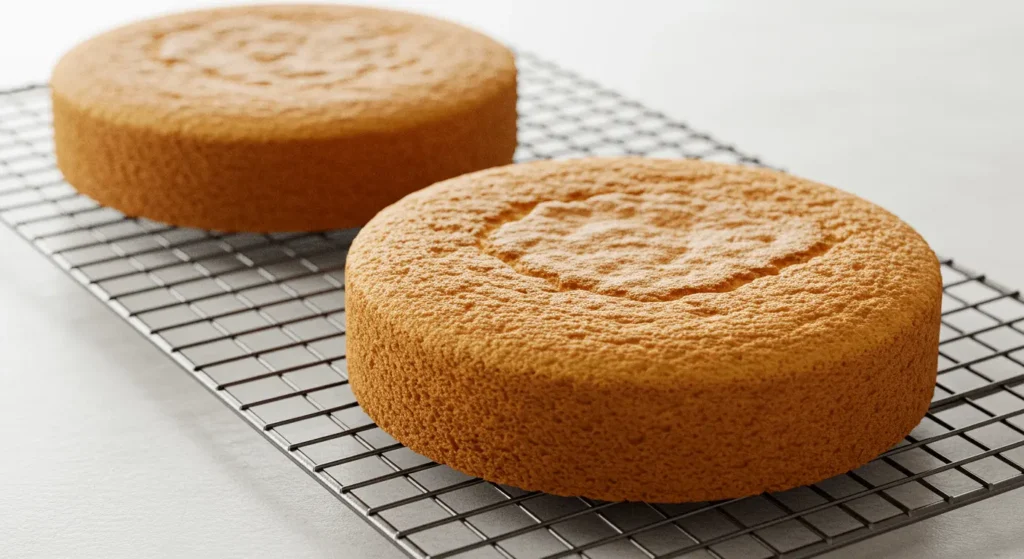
(110, 450)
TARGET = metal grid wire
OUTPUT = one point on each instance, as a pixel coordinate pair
(259, 320)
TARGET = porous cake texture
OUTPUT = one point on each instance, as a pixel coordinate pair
(642, 329)
(279, 118)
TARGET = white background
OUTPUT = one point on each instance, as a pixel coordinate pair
(109, 450)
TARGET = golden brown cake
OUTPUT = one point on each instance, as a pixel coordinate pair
(641, 329)
(279, 118)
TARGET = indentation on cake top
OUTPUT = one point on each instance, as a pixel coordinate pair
(254, 50)
(655, 246)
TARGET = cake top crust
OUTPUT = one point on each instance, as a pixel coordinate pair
(649, 270)
(281, 71)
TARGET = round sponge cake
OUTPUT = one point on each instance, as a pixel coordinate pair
(279, 118)
(642, 329)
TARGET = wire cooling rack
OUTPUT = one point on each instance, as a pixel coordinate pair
(259, 320)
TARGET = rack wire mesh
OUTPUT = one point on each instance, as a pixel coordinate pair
(259, 320)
